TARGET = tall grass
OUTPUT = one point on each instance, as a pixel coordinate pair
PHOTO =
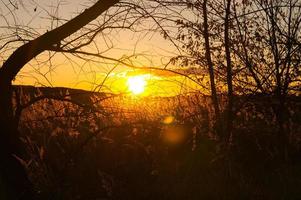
(122, 148)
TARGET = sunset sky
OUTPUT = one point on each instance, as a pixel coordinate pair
(149, 50)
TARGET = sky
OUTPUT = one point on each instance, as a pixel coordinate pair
(150, 50)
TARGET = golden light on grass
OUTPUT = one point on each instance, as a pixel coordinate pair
(136, 84)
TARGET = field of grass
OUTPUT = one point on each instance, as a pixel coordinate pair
(84, 145)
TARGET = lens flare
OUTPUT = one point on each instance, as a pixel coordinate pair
(168, 119)
(174, 134)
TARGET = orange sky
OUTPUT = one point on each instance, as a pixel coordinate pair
(68, 71)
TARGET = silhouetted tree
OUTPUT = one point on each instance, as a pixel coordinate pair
(254, 47)
(13, 175)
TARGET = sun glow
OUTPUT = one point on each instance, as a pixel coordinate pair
(136, 84)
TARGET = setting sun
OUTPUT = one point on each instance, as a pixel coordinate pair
(136, 84)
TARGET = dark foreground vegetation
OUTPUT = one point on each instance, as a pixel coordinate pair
(244, 144)
(84, 145)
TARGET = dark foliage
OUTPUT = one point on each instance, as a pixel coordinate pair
(79, 151)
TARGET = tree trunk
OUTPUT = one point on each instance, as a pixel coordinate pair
(210, 67)
(229, 119)
(279, 92)
(13, 175)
